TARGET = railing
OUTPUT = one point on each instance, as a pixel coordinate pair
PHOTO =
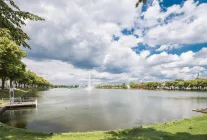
(19, 100)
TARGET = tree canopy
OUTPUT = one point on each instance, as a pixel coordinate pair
(113, 86)
(12, 18)
(10, 56)
(11, 66)
(140, 1)
(197, 84)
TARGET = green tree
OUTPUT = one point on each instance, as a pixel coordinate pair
(32, 78)
(192, 84)
(201, 83)
(180, 84)
(10, 56)
(186, 84)
(12, 18)
(175, 83)
(24, 79)
(140, 1)
(204, 84)
(15, 71)
(169, 84)
(132, 85)
(124, 86)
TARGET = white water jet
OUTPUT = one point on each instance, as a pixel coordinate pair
(89, 88)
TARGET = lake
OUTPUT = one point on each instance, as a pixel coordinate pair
(78, 110)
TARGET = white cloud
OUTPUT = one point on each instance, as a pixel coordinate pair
(127, 41)
(202, 53)
(182, 73)
(145, 54)
(177, 25)
(79, 32)
(77, 37)
(162, 58)
(58, 72)
(134, 67)
(168, 47)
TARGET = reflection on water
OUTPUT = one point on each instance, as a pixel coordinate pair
(63, 110)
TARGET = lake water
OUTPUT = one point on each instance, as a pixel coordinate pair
(65, 110)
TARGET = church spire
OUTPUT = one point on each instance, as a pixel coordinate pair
(198, 76)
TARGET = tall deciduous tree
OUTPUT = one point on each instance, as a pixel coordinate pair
(15, 71)
(10, 57)
(12, 18)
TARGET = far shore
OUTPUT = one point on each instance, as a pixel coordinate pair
(160, 89)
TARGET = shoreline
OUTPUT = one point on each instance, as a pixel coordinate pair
(195, 90)
(193, 128)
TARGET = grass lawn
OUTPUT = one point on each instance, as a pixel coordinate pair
(3, 103)
(18, 92)
(188, 129)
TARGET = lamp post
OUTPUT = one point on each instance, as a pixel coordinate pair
(11, 92)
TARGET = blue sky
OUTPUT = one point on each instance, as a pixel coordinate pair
(116, 42)
(185, 47)
(168, 3)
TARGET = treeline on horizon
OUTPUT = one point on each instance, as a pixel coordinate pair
(197, 84)
(64, 86)
(113, 86)
(11, 66)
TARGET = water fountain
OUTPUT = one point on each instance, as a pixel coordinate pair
(89, 88)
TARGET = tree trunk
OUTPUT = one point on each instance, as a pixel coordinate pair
(15, 83)
(10, 82)
(3, 83)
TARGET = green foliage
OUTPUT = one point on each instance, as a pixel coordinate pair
(113, 86)
(11, 66)
(10, 57)
(65, 86)
(148, 85)
(18, 92)
(5, 33)
(197, 84)
(12, 18)
(30, 79)
(140, 1)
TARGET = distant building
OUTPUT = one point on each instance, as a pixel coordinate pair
(198, 76)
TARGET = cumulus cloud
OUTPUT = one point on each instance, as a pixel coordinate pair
(202, 53)
(59, 72)
(175, 25)
(79, 32)
(77, 38)
(159, 67)
(162, 58)
(168, 47)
